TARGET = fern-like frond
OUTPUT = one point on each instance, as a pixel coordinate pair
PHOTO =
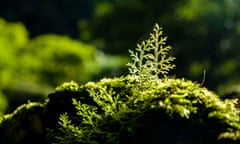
(150, 60)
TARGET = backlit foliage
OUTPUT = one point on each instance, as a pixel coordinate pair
(126, 110)
(119, 109)
(150, 60)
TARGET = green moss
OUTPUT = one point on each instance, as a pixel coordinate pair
(116, 111)
(23, 125)
(68, 86)
(124, 114)
(141, 108)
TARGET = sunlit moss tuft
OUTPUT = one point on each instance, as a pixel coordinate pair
(120, 108)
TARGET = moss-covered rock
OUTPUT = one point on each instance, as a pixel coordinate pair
(169, 111)
(24, 125)
(118, 111)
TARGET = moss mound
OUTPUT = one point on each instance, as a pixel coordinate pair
(24, 125)
(118, 111)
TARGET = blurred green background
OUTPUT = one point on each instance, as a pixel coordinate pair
(44, 43)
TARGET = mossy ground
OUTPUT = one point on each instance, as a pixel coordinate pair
(118, 111)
